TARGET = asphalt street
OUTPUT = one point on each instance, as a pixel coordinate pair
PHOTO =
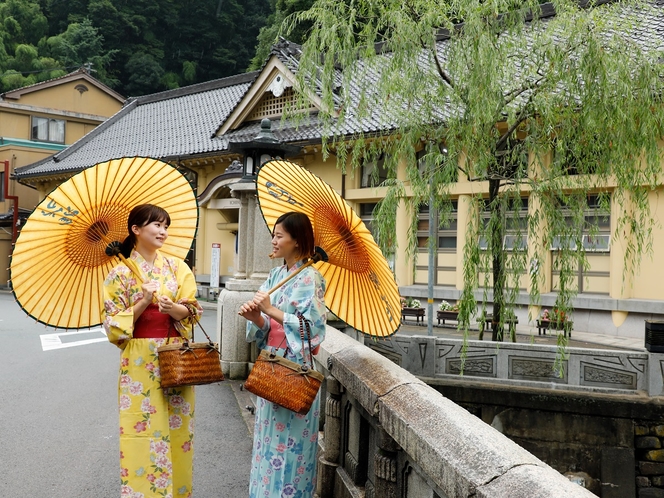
(59, 416)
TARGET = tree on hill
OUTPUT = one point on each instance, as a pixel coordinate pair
(81, 44)
(561, 111)
(138, 47)
(269, 33)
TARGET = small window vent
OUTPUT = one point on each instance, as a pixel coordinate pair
(271, 106)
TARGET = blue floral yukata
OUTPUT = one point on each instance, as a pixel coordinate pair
(285, 443)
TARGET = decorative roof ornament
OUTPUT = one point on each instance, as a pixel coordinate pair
(279, 85)
(234, 167)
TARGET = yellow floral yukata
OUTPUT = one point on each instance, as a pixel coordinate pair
(156, 426)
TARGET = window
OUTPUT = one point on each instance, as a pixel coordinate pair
(373, 172)
(595, 232)
(447, 229)
(596, 243)
(450, 170)
(366, 214)
(515, 225)
(559, 243)
(48, 130)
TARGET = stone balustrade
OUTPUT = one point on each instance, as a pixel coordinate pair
(388, 434)
(630, 373)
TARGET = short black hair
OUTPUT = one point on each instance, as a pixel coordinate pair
(299, 228)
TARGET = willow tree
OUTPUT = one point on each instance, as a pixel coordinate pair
(549, 102)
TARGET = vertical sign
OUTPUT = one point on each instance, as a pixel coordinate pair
(214, 266)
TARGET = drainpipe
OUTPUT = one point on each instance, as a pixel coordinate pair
(15, 199)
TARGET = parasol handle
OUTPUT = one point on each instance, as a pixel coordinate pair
(113, 249)
(319, 255)
(308, 263)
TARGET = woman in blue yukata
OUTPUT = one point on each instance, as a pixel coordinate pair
(285, 443)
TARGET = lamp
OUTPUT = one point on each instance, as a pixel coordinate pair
(264, 147)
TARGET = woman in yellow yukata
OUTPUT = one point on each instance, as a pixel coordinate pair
(156, 425)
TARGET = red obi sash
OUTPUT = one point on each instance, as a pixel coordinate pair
(277, 336)
(154, 324)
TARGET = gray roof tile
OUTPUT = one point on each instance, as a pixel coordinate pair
(165, 125)
(182, 122)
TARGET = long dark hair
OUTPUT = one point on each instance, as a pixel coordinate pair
(299, 228)
(142, 215)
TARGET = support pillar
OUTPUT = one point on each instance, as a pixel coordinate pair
(329, 461)
(385, 465)
(253, 266)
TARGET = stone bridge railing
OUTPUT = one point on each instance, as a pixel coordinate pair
(387, 434)
(627, 373)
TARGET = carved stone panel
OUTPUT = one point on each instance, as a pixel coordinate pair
(595, 375)
(537, 369)
(475, 366)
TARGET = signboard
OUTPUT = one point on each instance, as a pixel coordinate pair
(214, 266)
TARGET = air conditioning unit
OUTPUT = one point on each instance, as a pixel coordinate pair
(655, 336)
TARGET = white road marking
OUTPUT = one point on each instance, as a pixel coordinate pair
(53, 341)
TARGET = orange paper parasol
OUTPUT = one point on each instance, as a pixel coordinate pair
(361, 289)
(59, 262)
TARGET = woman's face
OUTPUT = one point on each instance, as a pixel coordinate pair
(283, 245)
(151, 236)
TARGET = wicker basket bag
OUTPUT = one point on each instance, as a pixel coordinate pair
(189, 363)
(284, 382)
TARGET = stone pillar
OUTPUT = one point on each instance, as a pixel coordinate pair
(385, 465)
(253, 266)
(329, 461)
(655, 377)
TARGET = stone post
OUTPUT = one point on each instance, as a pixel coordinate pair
(385, 465)
(253, 266)
(655, 377)
(329, 461)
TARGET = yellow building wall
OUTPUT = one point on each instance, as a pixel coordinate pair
(647, 282)
(28, 197)
(75, 130)
(211, 234)
(19, 125)
(65, 97)
(14, 124)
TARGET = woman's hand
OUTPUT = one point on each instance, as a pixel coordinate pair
(262, 301)
(176, 311)
(149, 288)
(250, 311)
(165, 304)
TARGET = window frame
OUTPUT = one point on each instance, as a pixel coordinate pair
(34, 124)
(367, 169)
(603, 233)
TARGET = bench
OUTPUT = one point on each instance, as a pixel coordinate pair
(511, 323)
(418, 313)
(544, 325)
(447, 315)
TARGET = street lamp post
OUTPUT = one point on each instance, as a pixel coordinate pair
(264, 147)
(252, 265)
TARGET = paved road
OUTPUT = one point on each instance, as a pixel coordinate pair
(59, 422)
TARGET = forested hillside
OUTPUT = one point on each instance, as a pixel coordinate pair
(134, 46)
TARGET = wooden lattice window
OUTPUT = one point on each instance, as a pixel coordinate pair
(271, 106)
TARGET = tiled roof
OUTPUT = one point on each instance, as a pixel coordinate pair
(166, 125)
(81, 73)
(182, 122)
